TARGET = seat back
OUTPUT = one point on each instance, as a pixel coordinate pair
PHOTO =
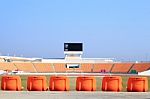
(137, 84)
(59, 83)
(36, 83)
(86, 84)
(11, 83)
(112, 83)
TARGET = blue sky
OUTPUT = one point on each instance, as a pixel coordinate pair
(108, 28)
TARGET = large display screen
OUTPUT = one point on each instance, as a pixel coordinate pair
(73, 47)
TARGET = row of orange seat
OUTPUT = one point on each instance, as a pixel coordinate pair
(61, 83)
(84, 67)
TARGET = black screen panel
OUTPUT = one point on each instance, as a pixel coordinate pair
(73, 47)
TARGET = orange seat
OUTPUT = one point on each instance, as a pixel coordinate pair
(7, 66)
(59, 83)
(43, 67)
(86, 84)
(121, 67)
(37, 83)
(86, 67)
(140, 67)
(102, 66)
(11, 83)
(137, 84)
(26, 67)
(112, 83)
(60, 67)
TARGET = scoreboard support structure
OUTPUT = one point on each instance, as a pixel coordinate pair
(73, 50)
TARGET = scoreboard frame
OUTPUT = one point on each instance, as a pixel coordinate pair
(75, 47)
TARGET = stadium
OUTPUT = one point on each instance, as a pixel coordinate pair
(74, 70)
(71, 64)
(74, 49)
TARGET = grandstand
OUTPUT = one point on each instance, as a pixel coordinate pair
(83, 68)
(121, 67)
(71, 63)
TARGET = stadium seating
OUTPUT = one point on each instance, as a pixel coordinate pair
(60, 67)
(7, 66)
(43, 67)
(112, 83)
(102, 66)
(26, 67)
(137, 84)
(121, 67)
(37, 83)
(77, 70)
(11, 83)
(59, 83)
(86, 84)
(140, 67)
(86, 67)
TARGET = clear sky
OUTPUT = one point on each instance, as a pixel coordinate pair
(108, 28)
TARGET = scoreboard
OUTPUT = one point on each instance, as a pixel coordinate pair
(73, 47)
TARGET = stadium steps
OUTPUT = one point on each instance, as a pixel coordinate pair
(92, 68)
(131, 68)
(112, 67)
(53, 67)
(15, 66)
(34, 67)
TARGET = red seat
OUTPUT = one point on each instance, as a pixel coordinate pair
(59, 83)
(86, 84)
(37, 83)
(137, 84)
(112, 83)
(11, 83)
